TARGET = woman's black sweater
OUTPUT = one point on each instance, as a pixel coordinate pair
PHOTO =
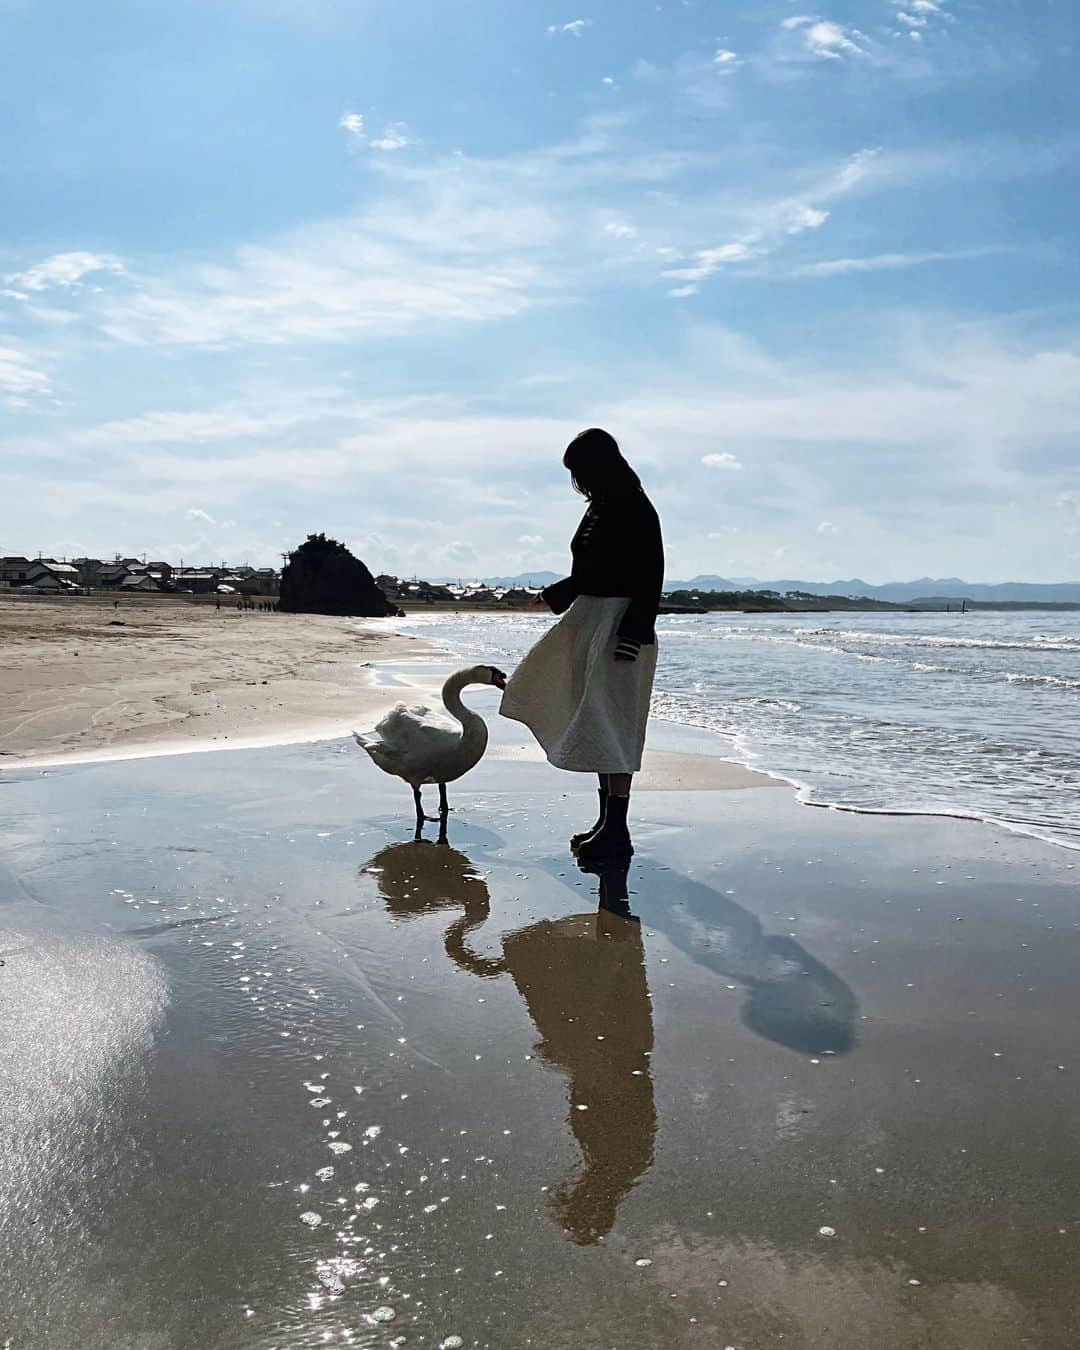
(617, 550)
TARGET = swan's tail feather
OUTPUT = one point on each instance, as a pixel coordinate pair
(376, 749)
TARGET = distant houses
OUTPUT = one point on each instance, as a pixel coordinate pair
(133, 576)
(418, 592)
(38, 574)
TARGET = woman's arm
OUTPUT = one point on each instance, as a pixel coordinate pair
(560, 595)
(638, 626)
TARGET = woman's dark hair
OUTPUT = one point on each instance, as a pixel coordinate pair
(596, 465)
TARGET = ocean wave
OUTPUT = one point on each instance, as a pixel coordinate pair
(1061, 681)
(866, 732)
(1058, 643)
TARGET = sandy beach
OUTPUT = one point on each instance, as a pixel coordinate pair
(278, 1075)
(82, 680)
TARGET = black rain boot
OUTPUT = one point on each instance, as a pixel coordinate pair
(611, 842)
(577, 840)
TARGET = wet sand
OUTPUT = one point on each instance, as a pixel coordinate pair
(821, 1092)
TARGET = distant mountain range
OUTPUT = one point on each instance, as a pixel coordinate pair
(899, 592)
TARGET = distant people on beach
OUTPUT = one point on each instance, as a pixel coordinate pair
(584, 688)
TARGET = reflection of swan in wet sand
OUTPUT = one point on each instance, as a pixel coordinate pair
(583, 982)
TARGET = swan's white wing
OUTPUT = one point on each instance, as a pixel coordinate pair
(410, 743)
(400, 719)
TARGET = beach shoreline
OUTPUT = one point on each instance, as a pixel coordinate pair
(82, 682)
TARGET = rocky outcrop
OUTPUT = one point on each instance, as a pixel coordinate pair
(323, 577)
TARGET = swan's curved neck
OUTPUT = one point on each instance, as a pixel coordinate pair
(471, 723)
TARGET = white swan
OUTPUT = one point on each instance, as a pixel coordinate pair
(420, 751)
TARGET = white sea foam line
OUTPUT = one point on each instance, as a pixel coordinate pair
(669, 707)
(1059, 644)
(1015, 678)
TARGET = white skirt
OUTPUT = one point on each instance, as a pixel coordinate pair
(586, 709)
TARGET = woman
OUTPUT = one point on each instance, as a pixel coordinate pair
(584, 688)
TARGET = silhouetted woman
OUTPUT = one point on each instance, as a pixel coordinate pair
(584, 688)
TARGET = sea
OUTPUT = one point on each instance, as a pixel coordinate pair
(974, 715)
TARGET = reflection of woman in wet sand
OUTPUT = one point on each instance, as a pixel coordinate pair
(583, 982)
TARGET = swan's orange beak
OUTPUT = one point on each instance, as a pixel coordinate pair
(498, 679)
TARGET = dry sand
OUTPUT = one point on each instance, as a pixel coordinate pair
(81, 681)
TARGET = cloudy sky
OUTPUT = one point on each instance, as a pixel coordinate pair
(363, 266)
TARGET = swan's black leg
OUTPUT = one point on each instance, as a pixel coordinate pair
(419, 811)
(444, 805)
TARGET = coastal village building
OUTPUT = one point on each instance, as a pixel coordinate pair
(13, 570)
(45, 574)
(199, 582)
(110, 576)
(140, 581)
(134, 575)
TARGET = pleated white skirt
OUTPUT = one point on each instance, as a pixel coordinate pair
(587, 710)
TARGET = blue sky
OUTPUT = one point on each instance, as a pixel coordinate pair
(364, 266)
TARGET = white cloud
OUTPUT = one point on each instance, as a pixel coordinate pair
(766, 223)
(711, 260)
(1069, 502)
(917, 14)
(829, 40)
(827, 527)
(826, 39)
(353, 123)
(197, 513)
(606, 79)
(64, 269)
(879, 262)
(395, 137)
(575, 27)
(530, 540)
(620, 230)
(18, 377)
(857, 443)
(329, 283)
(805, 218)
(726, 59)
(187, 428)
(722, 460)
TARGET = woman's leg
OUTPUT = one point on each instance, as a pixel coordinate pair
(611, 842)
(602, 792)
